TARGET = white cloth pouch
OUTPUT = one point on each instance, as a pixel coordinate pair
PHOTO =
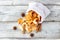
(39, 8)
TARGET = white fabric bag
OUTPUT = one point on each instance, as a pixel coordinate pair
(42, 10)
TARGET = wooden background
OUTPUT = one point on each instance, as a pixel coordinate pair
(50, 26)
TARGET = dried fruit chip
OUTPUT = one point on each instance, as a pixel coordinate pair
(20, 21)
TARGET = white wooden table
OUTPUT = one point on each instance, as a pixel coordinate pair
(50, 26)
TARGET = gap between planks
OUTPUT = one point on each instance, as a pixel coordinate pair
(16, 21)
(27, 5)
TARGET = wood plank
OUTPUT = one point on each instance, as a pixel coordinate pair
(49, 30)
(7, 13)
(23, 2)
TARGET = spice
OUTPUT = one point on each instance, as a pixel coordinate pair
(14, 28)
(23, 14)
(32, 35)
